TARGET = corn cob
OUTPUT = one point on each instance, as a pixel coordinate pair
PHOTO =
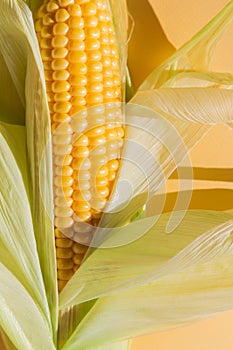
(83, 84)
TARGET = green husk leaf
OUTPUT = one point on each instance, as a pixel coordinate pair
(20, 317)
(12, 108)
(129, 86)
(183, 298)
(196, 54)
(13, 66)
(196, 105)
(18, 251)
(128, 254)
(15, 136)
(22, 49)
(193, 285)
(197, 79)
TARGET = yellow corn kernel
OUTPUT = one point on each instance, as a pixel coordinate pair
(65, 264)
(101, 181)
(79, 248)
(64, 191)
(81, 164)
(63, 201)
(81, 207)
(64, 253)
(77, 259)
(58, 234)
(64, 243)
(64, 275)
(82, 196)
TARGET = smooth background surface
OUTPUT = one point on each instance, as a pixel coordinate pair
(180, 20)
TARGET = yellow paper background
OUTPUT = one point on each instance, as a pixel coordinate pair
(180, 20)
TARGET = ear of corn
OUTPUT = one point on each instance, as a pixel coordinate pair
(79, 52)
